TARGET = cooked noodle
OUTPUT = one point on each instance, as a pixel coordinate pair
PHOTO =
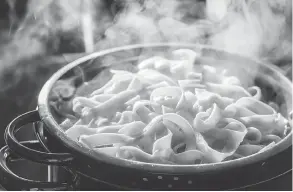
(169, 113)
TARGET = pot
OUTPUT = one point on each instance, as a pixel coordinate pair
(54, 148)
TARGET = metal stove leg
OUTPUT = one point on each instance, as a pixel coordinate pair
(52, 173)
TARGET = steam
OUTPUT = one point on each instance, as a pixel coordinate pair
(154, 21)
(249, 27)
(254, 30)
(87, 26)
(216, 10)
(39, 34)
(258, 29)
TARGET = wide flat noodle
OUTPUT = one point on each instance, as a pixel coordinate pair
(255, 106)
(172, 112)
(229, 137)
(205, 121)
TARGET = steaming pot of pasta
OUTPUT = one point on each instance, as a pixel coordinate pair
(164, 109)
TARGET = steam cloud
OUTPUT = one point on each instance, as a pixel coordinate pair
(250, 27)
(260, 29)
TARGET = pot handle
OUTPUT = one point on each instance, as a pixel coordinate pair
(12, 181)
(61, 159)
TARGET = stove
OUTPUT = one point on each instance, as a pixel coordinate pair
(35, 171)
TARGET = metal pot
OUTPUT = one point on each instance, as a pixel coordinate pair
(55, 148)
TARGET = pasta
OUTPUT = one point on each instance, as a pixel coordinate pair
(169, 112)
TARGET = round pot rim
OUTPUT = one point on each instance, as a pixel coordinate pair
(79, 151)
